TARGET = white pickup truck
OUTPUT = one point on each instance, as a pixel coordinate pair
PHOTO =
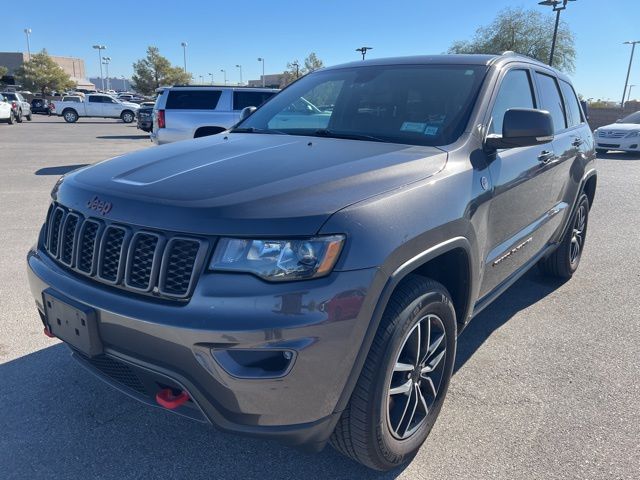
(96, 105)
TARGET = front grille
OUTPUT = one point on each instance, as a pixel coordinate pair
(118, 371)
(611, 133)
(153, 263)
(609, 145)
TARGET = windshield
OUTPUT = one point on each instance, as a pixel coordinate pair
(10, 96)
(409, 104)
(633, 118)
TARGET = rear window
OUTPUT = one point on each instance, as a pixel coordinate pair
(10, 96)
(193, 99)
(573, 107)
(249, 99)
(551, 100)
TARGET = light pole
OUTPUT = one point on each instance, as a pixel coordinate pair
(363, 51)
(106, 61)
(184, 55)
(124, 84)
(100, 48)
(297, 65)
(629, 94)
(558, 6)
(224, 72)
(27, 32)
(201, 79)
(211, 75)
(626, 82)
(239, 67)
(260, 59)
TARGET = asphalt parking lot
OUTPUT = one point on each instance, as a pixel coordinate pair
(547, 382)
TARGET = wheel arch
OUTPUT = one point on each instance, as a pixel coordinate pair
(427, 264)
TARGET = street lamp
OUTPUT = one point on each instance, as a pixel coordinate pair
(629, 94)
(100, 48)
(297, 65)
(211, 75)
(626, 82)
(260, 59)
(184, 55)
(106, 61)
(239, 67)
(558, 6)
(224, 72)
(201, 79)
(124, 84)
(363, 51)
(27, 32)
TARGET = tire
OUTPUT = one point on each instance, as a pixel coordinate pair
(127, 116)
(601, 151)
(29, 117)
(374, 429)
(564, 261)
(11, 119)
(19, 117)
(70, 116)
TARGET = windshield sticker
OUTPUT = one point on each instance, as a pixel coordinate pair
(413, 127)
(431, 130)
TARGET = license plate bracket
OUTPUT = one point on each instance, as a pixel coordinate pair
(72, 322)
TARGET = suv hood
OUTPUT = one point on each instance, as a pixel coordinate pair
(245, 184)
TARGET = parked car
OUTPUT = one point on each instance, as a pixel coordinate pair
(188, 111)
(7, 113)
(40, 105)
(206, 276)
(145, 116)
(96, 105)
(22, 107)
(623, 135)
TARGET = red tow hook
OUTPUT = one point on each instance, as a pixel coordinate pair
(48, 333)
(167, 399)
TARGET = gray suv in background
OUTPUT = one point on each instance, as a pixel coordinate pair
(305, 275)
(191, 111)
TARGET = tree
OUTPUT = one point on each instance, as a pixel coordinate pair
(155, 71)
(41, 73)
(527, 32)
(311, 63)
(3, 71)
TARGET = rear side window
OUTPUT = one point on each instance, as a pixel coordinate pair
(551, 100)
(95, 99)
(571, 101)
(515, 92)
(193, 99)
(249, 99)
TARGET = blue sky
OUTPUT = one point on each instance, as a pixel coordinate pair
(223, 34)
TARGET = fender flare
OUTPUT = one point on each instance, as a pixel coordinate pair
(392, 282)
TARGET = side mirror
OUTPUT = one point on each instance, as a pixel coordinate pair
(246, 111)
(522, 127)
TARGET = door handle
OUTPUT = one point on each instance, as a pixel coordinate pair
(545, 156)
(577, 142)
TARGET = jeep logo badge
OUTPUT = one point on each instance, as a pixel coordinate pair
(99, 206)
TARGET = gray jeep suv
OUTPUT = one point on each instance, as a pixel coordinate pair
(305, 275)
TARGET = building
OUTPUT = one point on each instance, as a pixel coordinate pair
(74, 67)
(113, 83)
(273, 80)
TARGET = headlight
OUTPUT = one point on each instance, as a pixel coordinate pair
(635, 133)
(278, 260)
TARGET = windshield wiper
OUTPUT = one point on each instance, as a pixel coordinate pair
(325, 132)
(256, 130)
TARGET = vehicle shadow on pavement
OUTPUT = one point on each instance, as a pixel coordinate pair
(529, 289)
(58, 421)
(142, 136)
(59, 170)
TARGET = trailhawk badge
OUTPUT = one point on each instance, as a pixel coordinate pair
(99, 206)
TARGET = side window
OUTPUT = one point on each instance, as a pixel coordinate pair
(571, 101)
(95, 99)
(193, 99)
(515, 92)
(249, 99)
(551, 100)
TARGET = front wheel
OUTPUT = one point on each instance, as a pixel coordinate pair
(11, 118)
(127, 116)
(564, 261)
(404, 380)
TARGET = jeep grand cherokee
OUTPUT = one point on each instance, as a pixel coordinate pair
(305, 275)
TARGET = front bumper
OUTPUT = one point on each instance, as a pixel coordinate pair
(624, 144)
(188, 344)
